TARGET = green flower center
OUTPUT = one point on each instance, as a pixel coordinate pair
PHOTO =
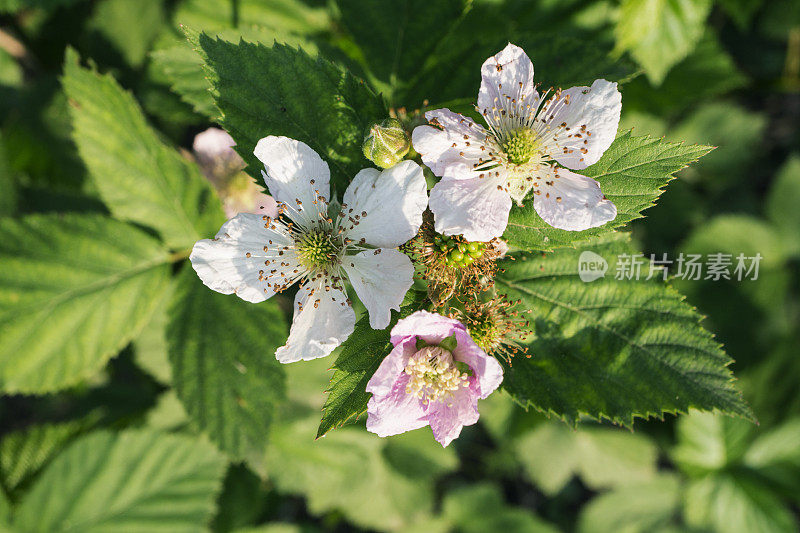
(485, 332)
(521, 145)
(317, 250)
(457, 252)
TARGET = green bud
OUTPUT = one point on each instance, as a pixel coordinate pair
(386, 143)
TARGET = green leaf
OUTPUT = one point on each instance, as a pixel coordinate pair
(113, 34)
(659, 33)
(168, 413)
(709, 442)
(134, 481)
(782, 202)
(612, 349)
(75, 290)
(281, 90)
(347, 471)
(397, 37)
(138, 176)
(480, 507)
(24, 453)
(182, 67)
(222, 351)
(553, 453)
(735, 502)
(645, 507)
(8, 194)
(150, 349)
(357, 360)
(293, 16)
(9, 6)
(632, 174)
(707, 72)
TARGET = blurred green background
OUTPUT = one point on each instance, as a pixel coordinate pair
(725, 73)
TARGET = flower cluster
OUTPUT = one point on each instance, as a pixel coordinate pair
(387, 231)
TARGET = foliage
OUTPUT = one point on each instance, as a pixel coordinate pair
(137, 399)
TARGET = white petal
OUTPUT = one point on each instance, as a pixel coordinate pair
(295, 175)
(322, 321)
(233, 262)
(453, 149)
(477, 207)
(385, 208)
(582, 123)
(570, 201)
(381, 279)
(507, 83)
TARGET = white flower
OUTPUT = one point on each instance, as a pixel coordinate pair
(483, 169)
(320, 245)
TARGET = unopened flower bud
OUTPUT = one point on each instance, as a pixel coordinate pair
(386, 143)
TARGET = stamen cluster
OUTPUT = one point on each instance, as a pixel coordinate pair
(434, 376)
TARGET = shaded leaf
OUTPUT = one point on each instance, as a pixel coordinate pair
(139, 177)
(134, 481)
(75, 290)
(222, 351)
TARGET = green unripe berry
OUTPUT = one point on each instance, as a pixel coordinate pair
(457, 256)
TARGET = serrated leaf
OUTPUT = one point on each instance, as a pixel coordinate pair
(75, 290)
(632, 173)
(553, 453)
(346, 471)
(134, 481)
(281, 90)
(659, 33)
(397, 37)
(114, 36)
(222, 351)
(357, 360)
(646, 507)
(183, 69)
(138, 177)
(612, 349)
(24, 453)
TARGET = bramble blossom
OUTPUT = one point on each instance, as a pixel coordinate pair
(320, 246)
(528, 143)
(222, 166)
(434, 376)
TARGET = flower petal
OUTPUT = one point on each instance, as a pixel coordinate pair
(396, 412)
(381, 279)
(322, 321)
(233, 262)
(488, 372)
(570, 201)
(507, 84)
(430, 327)
(385, 208)
(453, 149)
(447, 419)
(391, 410)
(581, 123)
(477, 207)
(295, 175)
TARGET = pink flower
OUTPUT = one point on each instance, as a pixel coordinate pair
(434, 376)
(222, 166)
